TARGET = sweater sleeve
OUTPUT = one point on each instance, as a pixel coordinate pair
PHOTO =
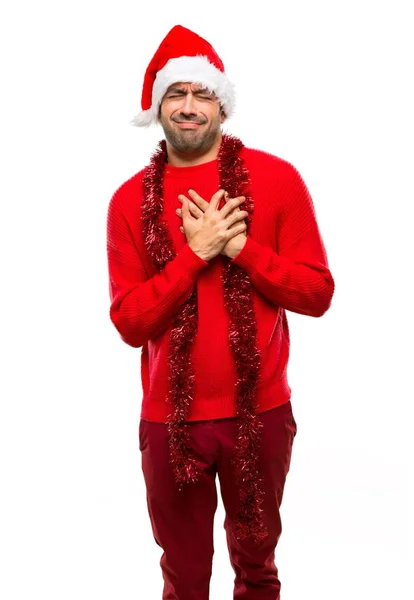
(141, 306)
(297, 277)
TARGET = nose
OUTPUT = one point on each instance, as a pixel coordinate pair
(188, 107)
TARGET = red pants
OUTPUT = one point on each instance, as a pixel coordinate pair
(182, 521)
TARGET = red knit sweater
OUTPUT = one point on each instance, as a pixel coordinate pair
(284, 256)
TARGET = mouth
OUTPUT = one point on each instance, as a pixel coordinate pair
(187, 125)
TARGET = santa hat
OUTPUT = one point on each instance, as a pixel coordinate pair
(183, 56)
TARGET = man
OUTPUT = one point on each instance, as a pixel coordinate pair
(208, 246)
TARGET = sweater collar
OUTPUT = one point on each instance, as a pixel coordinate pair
(179, 172)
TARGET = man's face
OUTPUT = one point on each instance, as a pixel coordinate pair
(191, 117)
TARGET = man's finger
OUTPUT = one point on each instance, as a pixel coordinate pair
(227, 198)
(215, 200)
(197, 199)
(192, 206)
(186, 211)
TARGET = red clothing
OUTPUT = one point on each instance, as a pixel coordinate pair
(284, 256)
(175, 515)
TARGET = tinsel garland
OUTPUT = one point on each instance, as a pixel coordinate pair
(234, 178)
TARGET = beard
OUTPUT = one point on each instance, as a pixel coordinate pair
(191, 141)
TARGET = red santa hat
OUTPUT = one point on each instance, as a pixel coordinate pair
(183, 56)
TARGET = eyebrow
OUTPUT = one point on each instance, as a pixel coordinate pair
(182, 91)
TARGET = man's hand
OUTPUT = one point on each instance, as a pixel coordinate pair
(208, 232)
(197, 208)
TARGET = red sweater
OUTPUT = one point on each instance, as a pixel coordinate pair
(284, 256)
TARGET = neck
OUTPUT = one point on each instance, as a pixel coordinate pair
(191, 159)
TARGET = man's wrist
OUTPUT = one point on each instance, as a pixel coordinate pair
(200, 253)
(236, 251)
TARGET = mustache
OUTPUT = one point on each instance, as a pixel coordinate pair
(188, 119)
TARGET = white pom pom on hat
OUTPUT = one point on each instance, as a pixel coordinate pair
(183, 56)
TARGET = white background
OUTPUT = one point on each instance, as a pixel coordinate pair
(325, 85)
